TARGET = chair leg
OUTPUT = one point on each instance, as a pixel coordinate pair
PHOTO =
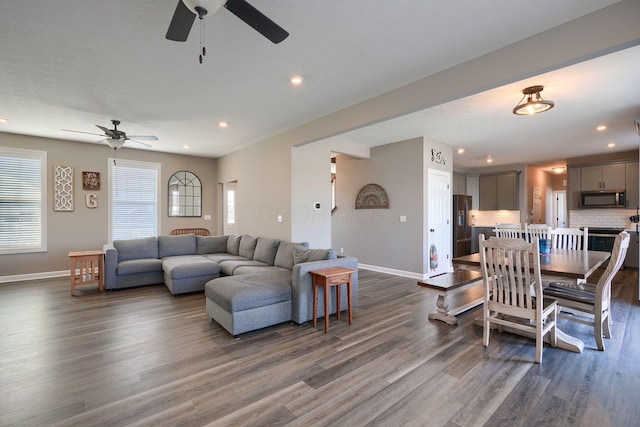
(607, 325)
(487, 326)
(539, 343)
(598, 330)
(553, 338)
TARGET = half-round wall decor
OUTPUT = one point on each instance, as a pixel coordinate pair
(372, 196)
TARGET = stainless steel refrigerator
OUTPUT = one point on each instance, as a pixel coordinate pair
(461, 225)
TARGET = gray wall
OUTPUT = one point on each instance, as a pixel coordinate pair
(84, 228)
(376, 236)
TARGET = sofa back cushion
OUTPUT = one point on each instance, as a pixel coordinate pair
(301, 255)
(211, 244)
(247, 246)
(233, 244)
(184, 244)
(266, 250)
(284, 256)
(136, 248)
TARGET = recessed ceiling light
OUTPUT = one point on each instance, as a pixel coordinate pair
(611, 144)
(296, 80)
(460, 150)
(489, 159)
(186, 147)
(601, 128)
(558, 169)
(3, 120)
(223, 124)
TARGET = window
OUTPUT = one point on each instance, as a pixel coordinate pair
(23, 203)
(133, 198)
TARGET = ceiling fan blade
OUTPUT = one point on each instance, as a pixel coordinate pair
(77, 131)
(257, 20)
(139, 142)
(181, 23)
(143, 137)
(107, 132)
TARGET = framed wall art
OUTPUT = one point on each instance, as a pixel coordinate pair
(91, 181)
(63, 188)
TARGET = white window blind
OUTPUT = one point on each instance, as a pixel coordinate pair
(23, 189)
(134, 199)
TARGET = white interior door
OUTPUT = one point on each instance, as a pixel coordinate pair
(230, 207)
(559, 209)
(439, 243)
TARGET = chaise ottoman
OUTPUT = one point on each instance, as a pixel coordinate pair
(249, 301)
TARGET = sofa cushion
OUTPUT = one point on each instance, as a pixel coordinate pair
(224, 257)
(180, 267)
(255, 269)
(211, 244)
(136, 248)
(228, 268)
(233, 244)
(237, 293)
(137, 266)
(266, 250)
(184, 244)
(309, 255)
(247, 246)
(284, 255)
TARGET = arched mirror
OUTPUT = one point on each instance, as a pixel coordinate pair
(185, 194)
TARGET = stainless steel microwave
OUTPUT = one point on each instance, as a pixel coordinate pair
(602, 199)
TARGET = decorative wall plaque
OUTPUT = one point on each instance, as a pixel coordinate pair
(91, 181)
(438, 157)
(372, 196)
(63, 189)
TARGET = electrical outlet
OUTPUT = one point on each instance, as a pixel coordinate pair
(403, 218)
(207, 217)
(341, 250)
(279, 218)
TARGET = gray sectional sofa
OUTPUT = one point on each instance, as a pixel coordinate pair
(249, 282)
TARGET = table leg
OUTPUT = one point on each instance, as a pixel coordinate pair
(315, 304)
(349, 299)
(338, 288)
(326, 308)
(443, 312)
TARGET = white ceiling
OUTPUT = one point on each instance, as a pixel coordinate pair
(73, 64)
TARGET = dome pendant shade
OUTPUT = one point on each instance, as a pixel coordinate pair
(534, 104)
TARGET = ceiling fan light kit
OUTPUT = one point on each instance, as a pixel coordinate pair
(535, 103)
(115, 138)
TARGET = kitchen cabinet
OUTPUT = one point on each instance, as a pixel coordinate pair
(477, 231)
(631, 187)
(631, 259)
(573, 185)
(498, 192)
(603, 177)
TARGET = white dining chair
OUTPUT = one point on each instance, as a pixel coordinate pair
(512, 280)
(541, 231)
(509, 231)
(570, 238)
(592, 304)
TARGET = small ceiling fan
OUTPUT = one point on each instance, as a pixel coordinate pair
(116, 138)
(187, 10)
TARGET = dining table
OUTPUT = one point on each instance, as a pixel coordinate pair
(569, 263)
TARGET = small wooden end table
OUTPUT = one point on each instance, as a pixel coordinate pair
(327, 278)
(86, 268)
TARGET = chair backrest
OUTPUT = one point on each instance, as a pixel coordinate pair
(511, 274)
(541, 231)
(620, 246)
(570, 238)
(196, 231)
(510, 231)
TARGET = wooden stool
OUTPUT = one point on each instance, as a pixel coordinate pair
(327, 278)
(86, 268)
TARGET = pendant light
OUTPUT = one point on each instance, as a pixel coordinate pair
(534, 104)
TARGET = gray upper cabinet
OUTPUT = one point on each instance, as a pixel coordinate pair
(499, 192)
(631, 187)
(603, 177)
(573, 177)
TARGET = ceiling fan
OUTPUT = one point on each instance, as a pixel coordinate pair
(187, 10)
(116, 138)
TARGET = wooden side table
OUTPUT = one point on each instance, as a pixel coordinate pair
(327, 278)
(86, 268)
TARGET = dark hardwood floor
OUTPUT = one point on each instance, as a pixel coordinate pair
(143, 357)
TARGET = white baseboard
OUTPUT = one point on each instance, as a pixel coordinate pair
(34, 276)
(402, 273)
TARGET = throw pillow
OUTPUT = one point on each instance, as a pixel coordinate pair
(266, 250)
(247, 246)
(233, 244)
(309, 255)
(284, 256)
(176, 245)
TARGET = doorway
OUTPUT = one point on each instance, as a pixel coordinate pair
(559, 209)
(438, 242)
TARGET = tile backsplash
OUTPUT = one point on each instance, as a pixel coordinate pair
(610, 218)
(490, 218)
